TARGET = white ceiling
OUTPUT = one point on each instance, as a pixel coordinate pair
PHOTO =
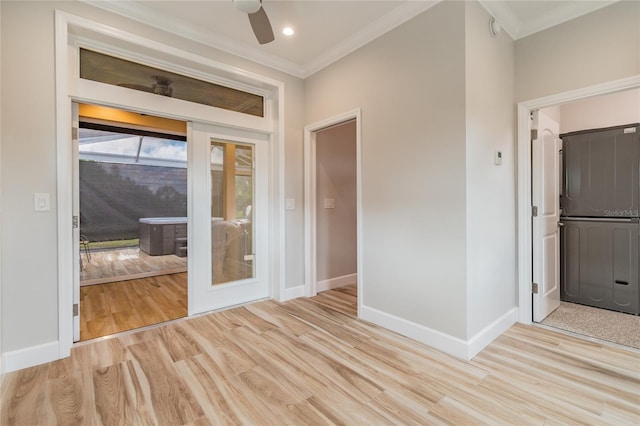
(325, 30)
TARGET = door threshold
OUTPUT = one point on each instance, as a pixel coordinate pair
(586, 338)
(160, 324)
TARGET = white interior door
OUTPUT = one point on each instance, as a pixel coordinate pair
(228, 223)
(545, 189)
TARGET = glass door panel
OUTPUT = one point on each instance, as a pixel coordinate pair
(232, 202)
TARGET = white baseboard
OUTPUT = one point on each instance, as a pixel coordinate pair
(488, 334)
(292, 293)
(28, 357)
(434, 338)
(336, 282)
(448, 344)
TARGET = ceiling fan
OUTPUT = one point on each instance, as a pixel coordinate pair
(257, 18)
(161, 86)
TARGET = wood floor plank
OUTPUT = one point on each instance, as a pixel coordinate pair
(310, 361)
(172, 401)
(210, 391)
(66, 401)
(112, 404)
(23, 396)
(125, 305)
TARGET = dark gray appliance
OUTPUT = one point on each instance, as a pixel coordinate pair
(600, 232)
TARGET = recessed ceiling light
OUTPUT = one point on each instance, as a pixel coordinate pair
(288, 31)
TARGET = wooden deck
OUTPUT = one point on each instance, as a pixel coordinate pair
(125, 305)
(310, 361)
(126, 264)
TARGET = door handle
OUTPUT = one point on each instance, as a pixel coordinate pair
(560, 224)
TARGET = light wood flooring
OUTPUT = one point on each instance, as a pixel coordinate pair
(310, 361)
(125, 305)
(105, 266)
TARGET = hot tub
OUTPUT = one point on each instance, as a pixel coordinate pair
(159, 235)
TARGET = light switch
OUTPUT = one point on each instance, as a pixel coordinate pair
(498, 157)
(290, 203)
(41, 202)
(329, 203)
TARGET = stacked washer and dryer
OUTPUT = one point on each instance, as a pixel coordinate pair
(600, 229)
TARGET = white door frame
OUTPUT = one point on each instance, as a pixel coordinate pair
(525, 263)
(69, 88)
(310, 260)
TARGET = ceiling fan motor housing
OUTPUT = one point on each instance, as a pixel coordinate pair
(248, 6)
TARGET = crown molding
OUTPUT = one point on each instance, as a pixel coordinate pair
(518, 29)
(563, 14)
(137, 11)
(381, 26)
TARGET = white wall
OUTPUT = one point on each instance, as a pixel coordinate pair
(28, 163)
(410, 86)
(596, 48)
(29, 239)
(336, 178)
(437, 98)
(490, 123)
(1, 320)
(601, 111)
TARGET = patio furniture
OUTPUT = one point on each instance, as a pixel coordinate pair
(84, 245)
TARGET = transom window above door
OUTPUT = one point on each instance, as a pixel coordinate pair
(115, 71)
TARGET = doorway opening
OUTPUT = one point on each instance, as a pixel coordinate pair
(234, 121)
(332, 207)
(131, 203)
(586, 275)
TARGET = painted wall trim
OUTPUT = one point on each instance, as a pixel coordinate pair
(138, 12)
(436, 339)
(64, 208)
(488, 334)
(448, 344)
(310, 130)
(336, 282)
(292, 293)
(524, 236)
(28, 357)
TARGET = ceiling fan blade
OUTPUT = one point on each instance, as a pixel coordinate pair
(261, 26)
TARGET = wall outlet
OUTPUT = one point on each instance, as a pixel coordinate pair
(329, 203)
(290, 203)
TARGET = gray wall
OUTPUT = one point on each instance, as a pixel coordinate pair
(491, 238)
(28, 164)
(599, 47)
(437, 99)
(613, 109)
(336, 178)
(410, 86)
